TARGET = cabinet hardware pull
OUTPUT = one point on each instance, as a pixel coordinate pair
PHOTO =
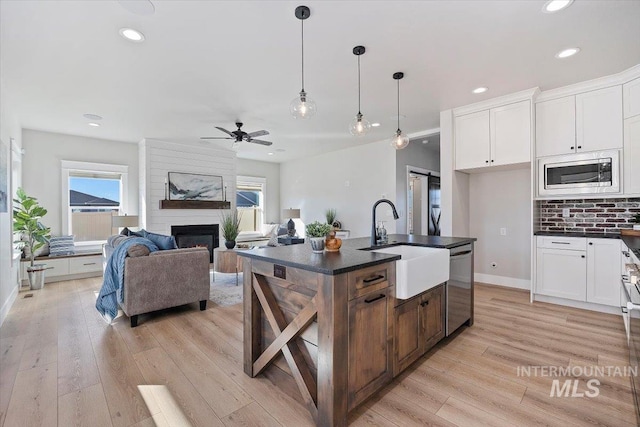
(625, 253)
(491, 161)
(624, 310)
(486, 161)
(561, 243)
(89, 263)
(375, 299)
(373, 279)
(460, 254)
(590, 243)
(582, 256)
(423, 303)
(572, 148)
(579, 146)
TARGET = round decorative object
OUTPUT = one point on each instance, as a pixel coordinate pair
(230, 244)
(317, 244)
(337, 225)
(332, 243)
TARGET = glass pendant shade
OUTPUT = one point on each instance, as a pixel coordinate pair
(302, 107)
(359, 126)
(400, 140)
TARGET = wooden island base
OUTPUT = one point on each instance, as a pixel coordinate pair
(343, 336)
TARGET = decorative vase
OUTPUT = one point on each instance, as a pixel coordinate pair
(332, 243)
(317, 244)
(230, 244)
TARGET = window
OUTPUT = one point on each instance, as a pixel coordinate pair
(250, 202)
(92, 194)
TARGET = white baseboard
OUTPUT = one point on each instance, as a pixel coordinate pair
(8, 304)
(509, 282)
(578, 304)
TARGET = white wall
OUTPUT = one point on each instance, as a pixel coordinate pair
(270, 171)
(42, 167)
(349, 180)
(502, 200)
(418, 155)
(158, 158)
(11, 135)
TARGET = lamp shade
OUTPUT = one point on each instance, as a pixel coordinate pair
(124, 221)
(291, 213)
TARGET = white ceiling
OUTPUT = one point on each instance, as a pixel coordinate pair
(208, 63)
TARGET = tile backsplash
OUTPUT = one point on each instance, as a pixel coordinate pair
(586, 215)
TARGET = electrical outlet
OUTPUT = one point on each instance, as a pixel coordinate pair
(565, 213)
(494, 264)
(503, 231)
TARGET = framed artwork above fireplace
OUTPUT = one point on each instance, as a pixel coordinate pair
(192, 186)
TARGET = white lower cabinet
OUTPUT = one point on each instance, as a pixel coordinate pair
(591, 275)
(562, 273)
(66, 267)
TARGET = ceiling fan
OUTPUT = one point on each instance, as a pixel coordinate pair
(240, 135)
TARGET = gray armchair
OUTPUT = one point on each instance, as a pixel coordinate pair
(165, 279)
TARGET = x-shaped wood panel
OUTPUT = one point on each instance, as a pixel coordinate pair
(286, 335)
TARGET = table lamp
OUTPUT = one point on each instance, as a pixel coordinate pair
(291, 214)
(121, 221)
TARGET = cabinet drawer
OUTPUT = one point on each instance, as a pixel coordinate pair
(571, 243)
(85, 264)
(370, 279)
(57, 267)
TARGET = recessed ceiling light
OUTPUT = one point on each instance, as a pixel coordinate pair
(95, 125)
(425, 141)
(556, 5)
(92, 116)
(480, 90)
(132, 35)
(271, 154)
(375, 125)
(567, 52)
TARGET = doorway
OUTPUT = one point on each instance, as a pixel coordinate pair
(423, 201)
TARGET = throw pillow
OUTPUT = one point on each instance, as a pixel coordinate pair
(138, 250)
(162, 242)
(61, 245)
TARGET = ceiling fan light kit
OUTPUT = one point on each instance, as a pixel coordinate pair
(302, 107)
(359, 126)
(399, 140)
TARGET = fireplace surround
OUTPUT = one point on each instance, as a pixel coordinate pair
(189, 236)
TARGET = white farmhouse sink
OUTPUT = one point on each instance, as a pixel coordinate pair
(419, 269)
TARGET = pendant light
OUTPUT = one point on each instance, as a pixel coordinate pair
(302, 107)
(359, 125)
(400, 140)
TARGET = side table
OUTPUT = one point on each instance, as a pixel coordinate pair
(227, 261)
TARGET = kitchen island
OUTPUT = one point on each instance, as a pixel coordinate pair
(334, 319)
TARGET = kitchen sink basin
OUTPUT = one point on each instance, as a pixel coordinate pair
(419, 269)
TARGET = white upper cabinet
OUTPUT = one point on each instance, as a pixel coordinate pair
(511, 134)
(599, 119)
(590, 121)
(631, 95)
(556, 126)
(631, 182)
(498, 136)
(472, 140)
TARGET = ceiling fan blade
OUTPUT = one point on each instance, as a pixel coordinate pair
(261, 142)
(215, 137)
(258, 133)
(225, 131)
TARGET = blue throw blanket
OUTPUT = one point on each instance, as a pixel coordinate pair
(111, 292)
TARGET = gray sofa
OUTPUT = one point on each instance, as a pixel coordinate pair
(164, 279)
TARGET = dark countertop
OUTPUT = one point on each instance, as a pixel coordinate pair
(578, 234)
(351, 256)
(633, 243)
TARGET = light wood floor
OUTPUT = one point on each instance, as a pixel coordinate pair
(62, 365)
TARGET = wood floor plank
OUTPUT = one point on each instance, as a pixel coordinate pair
(398, 410)
(252, 415)
(120, 377)
(463, 414)
(85, 407)
(161, 372)
(41, 346)
(137, 339)
(33, 400)
(10, 356)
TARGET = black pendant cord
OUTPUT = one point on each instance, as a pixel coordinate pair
(359, 113)
(302, 21)
(398, 105)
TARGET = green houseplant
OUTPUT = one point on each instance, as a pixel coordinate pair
(230, 228)
(26, 221)
(330, 214)
(317, 232)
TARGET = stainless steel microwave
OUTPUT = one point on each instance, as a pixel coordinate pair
(583, 173)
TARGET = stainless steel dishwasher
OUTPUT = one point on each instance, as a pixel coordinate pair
(459, 288)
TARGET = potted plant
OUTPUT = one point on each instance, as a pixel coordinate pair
(317, 231)
(230, 228)
(26, 221)
(330, 214)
